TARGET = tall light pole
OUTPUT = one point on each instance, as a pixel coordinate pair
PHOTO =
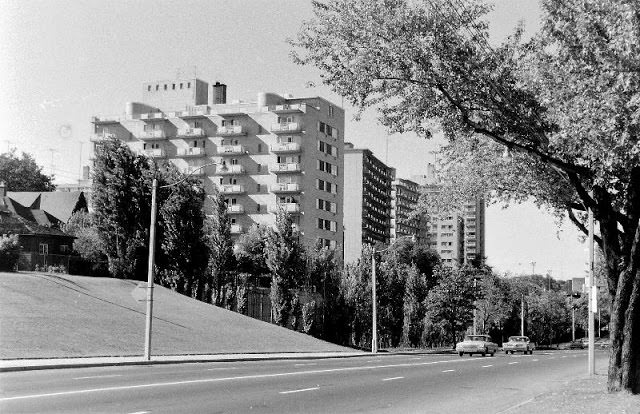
(152, 251)
(374, 318)
(592, 298)
(522, 315)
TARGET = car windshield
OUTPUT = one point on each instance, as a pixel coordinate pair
(517, 339)
(474, 338)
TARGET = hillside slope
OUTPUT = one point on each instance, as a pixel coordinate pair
(48, 316)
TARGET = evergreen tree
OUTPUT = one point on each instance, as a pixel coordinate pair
(221, 259)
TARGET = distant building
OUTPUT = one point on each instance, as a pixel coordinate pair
(277, 152)
(404, 201)
(367, 201)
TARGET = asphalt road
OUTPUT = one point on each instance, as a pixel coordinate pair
(414, 383)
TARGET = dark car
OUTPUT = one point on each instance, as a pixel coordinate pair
(576, 345)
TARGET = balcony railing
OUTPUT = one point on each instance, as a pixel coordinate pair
(235, 209)
(285, 188)
(230, 169)
(284, 128)
(232, 189)
(286, 167)
(195, 171)
(288, 109)
(230, 131)
(190, 133)
(231, 150)
(105, 119)
(155, 153)
(101, 137)
(236, 228)
(152, 135)
(153, 115)
(287, 207)
(285, 147)
(193, 113)
(191, 152)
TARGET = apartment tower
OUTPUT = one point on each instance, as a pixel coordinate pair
(404, 201)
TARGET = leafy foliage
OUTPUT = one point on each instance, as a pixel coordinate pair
(9, 251)
(23, 174)
(221, 258)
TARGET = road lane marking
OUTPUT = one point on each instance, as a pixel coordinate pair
(392, 378)
(141, 412)
(221, 368)
(564, 356)
(241, 377)
(517, 406)
(417, 358)
(98, 376)
(304, 365)
(448, 370)
(534, 360)
(302, 390)
(511, 363)
(486, 366)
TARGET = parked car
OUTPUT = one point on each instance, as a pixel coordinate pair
(476, 344)
(519, 344)
(576, 345)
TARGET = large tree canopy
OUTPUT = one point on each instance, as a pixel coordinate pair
(555, 118)
(23, 174)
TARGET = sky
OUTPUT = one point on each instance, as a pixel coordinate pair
(63, 61)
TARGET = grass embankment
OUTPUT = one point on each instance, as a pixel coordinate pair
(50, 316)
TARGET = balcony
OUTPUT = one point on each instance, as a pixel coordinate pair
(191, 152)
(193, 113)
(231, 150)
(154, 135)
(285, 147)
(285, 188)
(230, 169)
(286, 128)
(287, 207)
(231, 131)
(288, 109)
(286, 167)
(101, 137)
(101, 120)
(152, 116)
(236, 229)
(155, 153)
(231, 189)
(190, 133)
(235, 209)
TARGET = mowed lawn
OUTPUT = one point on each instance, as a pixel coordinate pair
(48, 316)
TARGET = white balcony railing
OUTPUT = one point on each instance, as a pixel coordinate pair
(286, 127)
(105, 119)
(101, 137)
(230, 169)
(190, 132)
(236, 228)
(286, 109)
(287, 207)
(233, 130)
(285, 167)
(151, 135)
(285, 147)
(231, 149)
(155, 153)
(285, 188)
(191, 152)
(235, 209)
(153, 115)
(231, 189)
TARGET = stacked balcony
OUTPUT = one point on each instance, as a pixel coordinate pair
(231, 150)
(152, 116)
(235, 209)
(195, 171)
(155, 153)
(231, 131)
(232, 189)
(286, 128)
(101, 137)
(288, 109)
(191, 133)
(191, 152)
(104, 120)
(285, 147)
(293, 208)
(285, 188)
(155, 135)
(236, 228)
(230, 169)
(286, 167)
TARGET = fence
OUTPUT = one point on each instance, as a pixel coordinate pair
(64, 263)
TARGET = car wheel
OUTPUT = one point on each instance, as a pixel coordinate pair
(511, 352)
(484, 353)
(506, 352)
(493, 353)
(461, 353)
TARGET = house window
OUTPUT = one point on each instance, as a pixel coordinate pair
(188, 85)
(258, 188)
(64, 248)
(259, 147)
(43, 248)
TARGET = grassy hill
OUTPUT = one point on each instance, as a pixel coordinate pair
(47, 316)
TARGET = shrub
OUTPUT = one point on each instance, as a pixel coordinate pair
(9, 252)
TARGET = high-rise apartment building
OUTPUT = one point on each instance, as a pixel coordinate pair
(367, 201)
(277, 152)
(404, 201)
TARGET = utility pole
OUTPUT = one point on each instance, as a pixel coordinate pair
(522, 315)
(374, 327)
(591, 297)
(152, 251)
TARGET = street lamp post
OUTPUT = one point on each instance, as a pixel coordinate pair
(152, 251)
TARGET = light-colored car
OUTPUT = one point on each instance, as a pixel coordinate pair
(519, 344)
(476, 344)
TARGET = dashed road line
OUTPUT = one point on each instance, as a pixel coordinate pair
(448, 370)
(392, 378)
(511, 363)
(486, 366)
(534, 360)
(98, 376)
(300, 390)
(141, 412)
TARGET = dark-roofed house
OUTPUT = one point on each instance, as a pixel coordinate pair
(42, 244)
(57, 204)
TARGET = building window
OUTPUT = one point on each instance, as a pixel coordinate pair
(258, 187)
(180, 85)
(259, 148)
(64, 248)
(259, 167)
(330, 112)
(157, 87)
(149, 88)
(43, 248)
(188, 85)
(165, 86)
(173, 86)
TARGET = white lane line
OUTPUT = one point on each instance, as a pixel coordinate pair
(241, 377)
(511, 363)
(98, 376)
(304, 365)
(448, 370)
(301, 390)
(517, 406)
(221, 368)
(534, 360)
(564, 356)
(392, 378)
(141, 412)
(486, 366)
(417, 358)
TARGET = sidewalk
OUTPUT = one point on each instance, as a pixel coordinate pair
(56, 363)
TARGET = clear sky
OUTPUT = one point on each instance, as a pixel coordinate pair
(63, 61)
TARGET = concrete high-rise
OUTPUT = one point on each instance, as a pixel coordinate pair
(277, 152)
(404, 201)
(367, 201)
